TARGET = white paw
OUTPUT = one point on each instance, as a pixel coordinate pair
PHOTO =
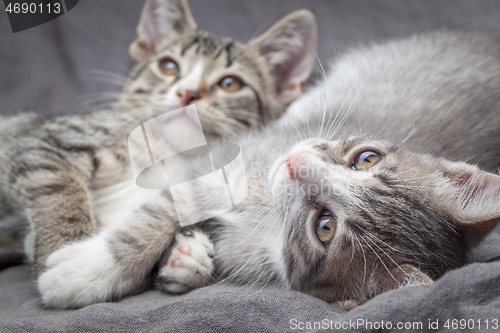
(80, 274)
(188, 264)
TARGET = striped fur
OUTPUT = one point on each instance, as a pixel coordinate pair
(404, 221)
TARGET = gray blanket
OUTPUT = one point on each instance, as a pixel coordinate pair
(51, 69)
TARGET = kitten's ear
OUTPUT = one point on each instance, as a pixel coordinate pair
(288, 48)
(161, 21)
(470, 195)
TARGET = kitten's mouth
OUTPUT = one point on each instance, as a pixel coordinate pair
(182, 119)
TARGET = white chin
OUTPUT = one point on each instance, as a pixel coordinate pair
(182, 121)
(180, 130)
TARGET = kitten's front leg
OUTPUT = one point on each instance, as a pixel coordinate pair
(113, 263)
(83, 273)
(53, 193)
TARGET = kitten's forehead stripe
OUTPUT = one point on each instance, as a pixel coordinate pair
(348, 144)
(218, 53)
(189, 43)
(207, 44)
(228, 47)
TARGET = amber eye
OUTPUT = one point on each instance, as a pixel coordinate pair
(365, 160)
(231, 83)
(169, 67)
(325, 227)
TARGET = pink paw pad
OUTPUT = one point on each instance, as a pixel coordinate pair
(186, 249)
(183, 248)
(176, 263)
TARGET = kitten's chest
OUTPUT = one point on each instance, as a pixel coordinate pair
(117, 197)
(115, 194)
(115, 203)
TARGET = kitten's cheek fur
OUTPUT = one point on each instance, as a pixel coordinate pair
(81, 274)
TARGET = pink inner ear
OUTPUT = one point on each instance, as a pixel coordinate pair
(143, 45)
(460, 176)
(476, 195)
(478, 181)
(147, 30)
(476, 186)
(297, 66)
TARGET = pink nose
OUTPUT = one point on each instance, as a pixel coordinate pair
(187, 96)
(293, 164)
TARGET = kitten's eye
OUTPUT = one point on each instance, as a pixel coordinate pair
(365, 160)
(231, 84)
(325, 227)
(169, 67)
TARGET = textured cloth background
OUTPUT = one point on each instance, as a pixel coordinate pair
(51, 69)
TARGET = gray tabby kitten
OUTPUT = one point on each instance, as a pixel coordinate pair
(378, 194)
(384, 180)
(70, 178)
(374, 196)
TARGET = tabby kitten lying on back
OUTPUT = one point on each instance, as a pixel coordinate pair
(69, 177)
(374, 196)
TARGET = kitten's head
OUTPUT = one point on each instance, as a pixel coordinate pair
(234, 86)
(363, 216)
